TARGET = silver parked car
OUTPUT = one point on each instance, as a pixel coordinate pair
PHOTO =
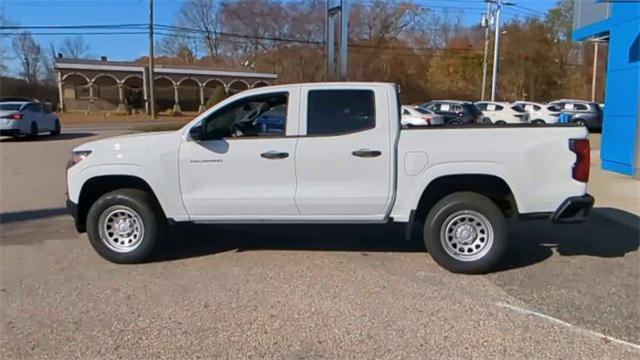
(582, 112)
(27, 118)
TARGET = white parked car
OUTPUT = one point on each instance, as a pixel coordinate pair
(540, 113)
(27, 118)
(341, 156)
(502, 113)
(416, 116)
(432, 117)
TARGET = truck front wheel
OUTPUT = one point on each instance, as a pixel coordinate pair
(124, 226)
(466, 232)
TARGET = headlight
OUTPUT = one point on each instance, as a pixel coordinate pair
(77, 156)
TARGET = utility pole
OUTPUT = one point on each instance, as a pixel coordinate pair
(594, 78)
(335, 9)
(152, 97)
(487, 20)
(496, 48)
(344, 39)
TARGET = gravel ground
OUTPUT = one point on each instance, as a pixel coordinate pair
(305, 292)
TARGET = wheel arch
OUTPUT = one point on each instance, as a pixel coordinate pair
(93, 188)
(492, 186)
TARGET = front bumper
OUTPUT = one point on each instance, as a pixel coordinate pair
(573, 210)
(73, 211)
(9, 132)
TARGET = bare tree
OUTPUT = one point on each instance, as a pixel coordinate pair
(74, 47)
(184, 50)
(202, 16)
(29, 54)
(3, 53)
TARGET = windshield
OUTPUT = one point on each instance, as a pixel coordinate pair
(10, 107)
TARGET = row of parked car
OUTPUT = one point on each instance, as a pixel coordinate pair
(456, 112)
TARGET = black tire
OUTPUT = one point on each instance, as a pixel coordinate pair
(152, 224)
(454, 122)
(33, 131)
(464, 207)
(501, 122)
(580, 122)
(538, 122)
(56, 128)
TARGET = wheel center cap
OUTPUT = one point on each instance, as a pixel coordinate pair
(466, 234)
(123, 227)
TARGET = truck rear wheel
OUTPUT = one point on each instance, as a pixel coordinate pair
(124, 226)
(466, 232)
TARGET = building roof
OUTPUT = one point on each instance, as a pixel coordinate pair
(86, 64)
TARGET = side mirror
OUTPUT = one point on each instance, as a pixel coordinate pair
(196, 133)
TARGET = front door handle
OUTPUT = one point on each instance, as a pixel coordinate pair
(275, 155)
(366, 153)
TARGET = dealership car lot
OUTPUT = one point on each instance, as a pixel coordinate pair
(306, 291)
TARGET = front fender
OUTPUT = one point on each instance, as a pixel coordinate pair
(168, 195)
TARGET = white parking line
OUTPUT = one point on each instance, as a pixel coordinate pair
(564, 323)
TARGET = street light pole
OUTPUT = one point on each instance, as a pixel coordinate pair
(594, 76)
(152, 97)
(496, 48)
(486, 23)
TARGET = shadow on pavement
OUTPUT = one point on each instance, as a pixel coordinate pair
(28, 215)
(607, 233)
(200, 240)
(43, 138)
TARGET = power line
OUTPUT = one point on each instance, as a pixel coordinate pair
(77, 33)
(534, 11)
(78, 27)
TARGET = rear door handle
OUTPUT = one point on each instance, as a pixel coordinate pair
(366, 153)
(274, 155)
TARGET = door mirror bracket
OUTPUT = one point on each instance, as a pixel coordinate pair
(196, 133)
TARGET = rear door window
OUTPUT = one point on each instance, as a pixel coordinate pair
(33, 108)
(335, 112)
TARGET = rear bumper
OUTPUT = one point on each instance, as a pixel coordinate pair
(73, 211)
(573, 210)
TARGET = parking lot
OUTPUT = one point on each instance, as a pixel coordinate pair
(299, 292)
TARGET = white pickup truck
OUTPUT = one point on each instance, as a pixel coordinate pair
(329, 153)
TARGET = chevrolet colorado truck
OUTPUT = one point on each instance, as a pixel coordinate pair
(332, 153)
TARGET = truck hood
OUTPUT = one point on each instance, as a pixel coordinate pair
(134, 143)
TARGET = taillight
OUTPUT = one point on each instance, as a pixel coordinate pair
(583, 159)
(15, 116)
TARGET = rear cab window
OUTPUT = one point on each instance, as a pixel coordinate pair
(335, 112)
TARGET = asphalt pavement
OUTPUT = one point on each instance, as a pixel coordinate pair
(307, 291)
